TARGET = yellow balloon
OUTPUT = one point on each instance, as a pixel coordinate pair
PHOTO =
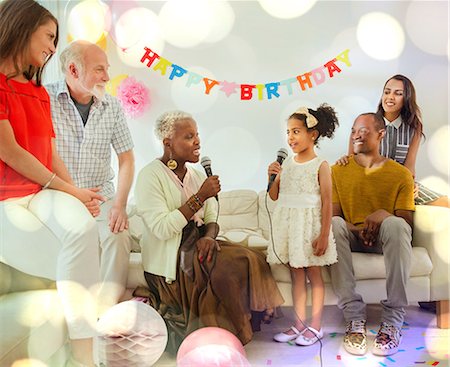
(113, 84)
(100, 43)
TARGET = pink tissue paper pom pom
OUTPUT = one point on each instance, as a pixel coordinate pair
(133, 96)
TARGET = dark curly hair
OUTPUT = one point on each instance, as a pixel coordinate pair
(326, 117)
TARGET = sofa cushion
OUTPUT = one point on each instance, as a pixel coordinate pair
(245, 237)
(368, 266)
(238, 210)
(265, 203)
(136, 276)
(13, 280)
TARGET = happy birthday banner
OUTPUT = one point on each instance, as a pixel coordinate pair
(304, 81)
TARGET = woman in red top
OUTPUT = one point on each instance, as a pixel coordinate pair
(46, 230)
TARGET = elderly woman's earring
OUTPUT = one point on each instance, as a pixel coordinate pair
(172, 163)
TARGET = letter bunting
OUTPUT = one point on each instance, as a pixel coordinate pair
(247, 92)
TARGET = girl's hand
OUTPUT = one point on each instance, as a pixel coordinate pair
(274, 168)
(206, 247)
(320, 245)
(343, 161)
(209, 188)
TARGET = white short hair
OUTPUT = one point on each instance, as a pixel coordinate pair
(73, 54)
(165, 124)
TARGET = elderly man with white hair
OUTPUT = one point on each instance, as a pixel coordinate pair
(88, 122)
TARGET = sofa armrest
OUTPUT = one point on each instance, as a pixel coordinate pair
(432, 231)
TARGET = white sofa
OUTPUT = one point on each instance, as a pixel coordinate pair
(244, 219)
(29, 311)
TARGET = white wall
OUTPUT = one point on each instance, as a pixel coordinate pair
(242, 137)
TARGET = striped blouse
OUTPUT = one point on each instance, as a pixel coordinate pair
(396, 142)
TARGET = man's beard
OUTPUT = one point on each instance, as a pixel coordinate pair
(98, 91)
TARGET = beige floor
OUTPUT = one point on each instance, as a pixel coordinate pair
(423, 344)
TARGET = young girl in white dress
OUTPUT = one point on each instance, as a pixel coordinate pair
(302, 236)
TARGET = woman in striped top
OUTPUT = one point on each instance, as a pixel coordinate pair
(403, 133)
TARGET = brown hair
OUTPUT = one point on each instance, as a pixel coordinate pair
(410, 112)
(19, 20)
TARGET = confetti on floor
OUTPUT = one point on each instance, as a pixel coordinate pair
(390, 359)
(419, 348)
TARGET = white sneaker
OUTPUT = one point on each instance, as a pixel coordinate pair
(284, 338)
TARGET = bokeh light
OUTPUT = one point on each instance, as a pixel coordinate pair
(434, 37)
(49, 309)
(287, 9)
(437, 342)
(438, 150)
(193, 98)
(437, 184)
(87, 20)
(128, 28)
(152, 36)
(28, 362)
(222, 16)
(185, 23)
(380, 36)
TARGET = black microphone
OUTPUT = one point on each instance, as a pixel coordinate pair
(206, 163)
(281, 156)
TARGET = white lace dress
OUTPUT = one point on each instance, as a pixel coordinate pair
(297, 217)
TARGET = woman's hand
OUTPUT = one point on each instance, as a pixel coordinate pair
(209, 188)
(206, 247)
(343, 161)
(87, 196)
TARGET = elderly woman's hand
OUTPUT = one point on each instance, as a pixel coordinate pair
(206, 247)
(209, 188)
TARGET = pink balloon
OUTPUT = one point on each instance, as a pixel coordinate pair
(117, 8)
(213, 356)
(211, 347)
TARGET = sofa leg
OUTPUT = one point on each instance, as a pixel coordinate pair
(443, 314)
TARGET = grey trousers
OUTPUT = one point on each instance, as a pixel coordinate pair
(394, 241)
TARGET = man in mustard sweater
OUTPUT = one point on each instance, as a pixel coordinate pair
(373, 204)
